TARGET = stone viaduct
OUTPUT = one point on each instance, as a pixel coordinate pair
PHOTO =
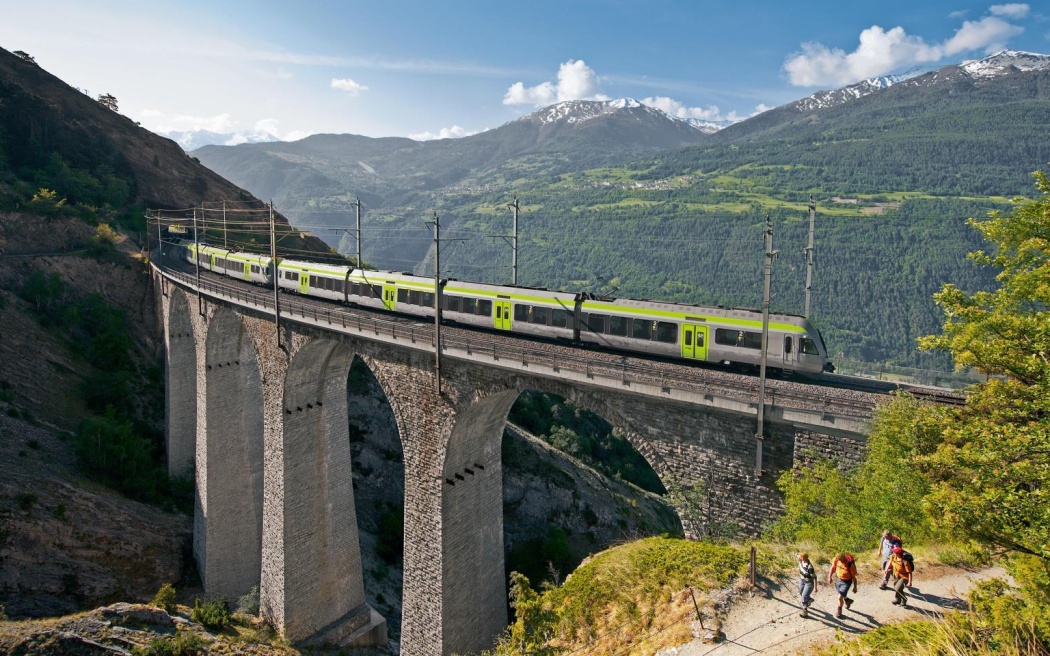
(259, 414)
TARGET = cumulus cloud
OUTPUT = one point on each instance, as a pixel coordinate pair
(576, 81)
(348, 85)
(1014, 10)
(881, 51)
(710, 113)
(454, 132)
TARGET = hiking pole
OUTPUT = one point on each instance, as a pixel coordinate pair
(699, 617)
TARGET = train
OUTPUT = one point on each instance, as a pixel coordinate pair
(692, 333)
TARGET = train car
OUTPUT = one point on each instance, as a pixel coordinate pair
(521, 310)
(249, 267)
(703, 334)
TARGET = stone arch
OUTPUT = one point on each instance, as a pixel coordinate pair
(322, 596)
(180, 392)
(231, 497)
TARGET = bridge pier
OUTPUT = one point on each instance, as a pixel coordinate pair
(455, 595)
(312, 580)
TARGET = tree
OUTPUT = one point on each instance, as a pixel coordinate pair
(108, 100)
(24, 56)
(991, 471)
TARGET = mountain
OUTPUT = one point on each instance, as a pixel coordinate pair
(568, 136)
(896, 165)
(194, 139)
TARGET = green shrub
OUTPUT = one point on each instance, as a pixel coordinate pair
(26, 501)
(214, 614)
(183, 643)
(248, 603)
(165, 598)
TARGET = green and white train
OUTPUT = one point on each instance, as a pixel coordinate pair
(671, 330)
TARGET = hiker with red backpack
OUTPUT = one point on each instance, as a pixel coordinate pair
(843, 574)
(885, 550)
(901, 567)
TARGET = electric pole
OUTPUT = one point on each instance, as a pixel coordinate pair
(437, 301)
(514, 243)
(224, 242)
(357, 204)
(276, 297)
(770, 255)
(197, 253)
(809, 253)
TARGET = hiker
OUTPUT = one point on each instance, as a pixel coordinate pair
(886, 545)
(807, 582)
(843, 573)
(901, 569)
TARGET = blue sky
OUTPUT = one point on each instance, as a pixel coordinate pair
(427, 69)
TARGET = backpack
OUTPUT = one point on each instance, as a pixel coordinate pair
(909, 560)
(843, 567)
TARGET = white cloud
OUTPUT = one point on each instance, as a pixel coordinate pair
(883, 51)
(165, 122)
(576, 81)
(989, 33)
(1015, 10)
(348, 85)
(454, 132)
(678, 110)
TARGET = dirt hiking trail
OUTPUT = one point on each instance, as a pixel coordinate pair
(769, 623)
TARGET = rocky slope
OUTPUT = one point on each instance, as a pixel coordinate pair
(66, 544)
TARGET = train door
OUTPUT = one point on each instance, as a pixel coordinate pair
(304, 282)
(247, 271)
(694, 341)
(389, 297)
(790, 351)
(212, 260)
(502, 315)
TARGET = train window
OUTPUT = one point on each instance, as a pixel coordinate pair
(560, 318)
(521, 312)
(641, 328)
(740, 338)
(470, 305)
(595, 322)
(787, 345)
(809, 347)
(455, 304)
(377, 291)
(484, 307)
(699, 339)
(415, 297)
(338, 285)
(666, 332)
(427, 299)
(617, 326)
(402, 296)
(540, 315)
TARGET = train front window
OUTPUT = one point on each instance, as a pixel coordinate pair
(809, 347)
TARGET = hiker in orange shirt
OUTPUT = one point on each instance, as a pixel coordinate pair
(843, 574)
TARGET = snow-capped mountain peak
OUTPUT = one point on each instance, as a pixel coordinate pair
(1006, 61)
(825, 99)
